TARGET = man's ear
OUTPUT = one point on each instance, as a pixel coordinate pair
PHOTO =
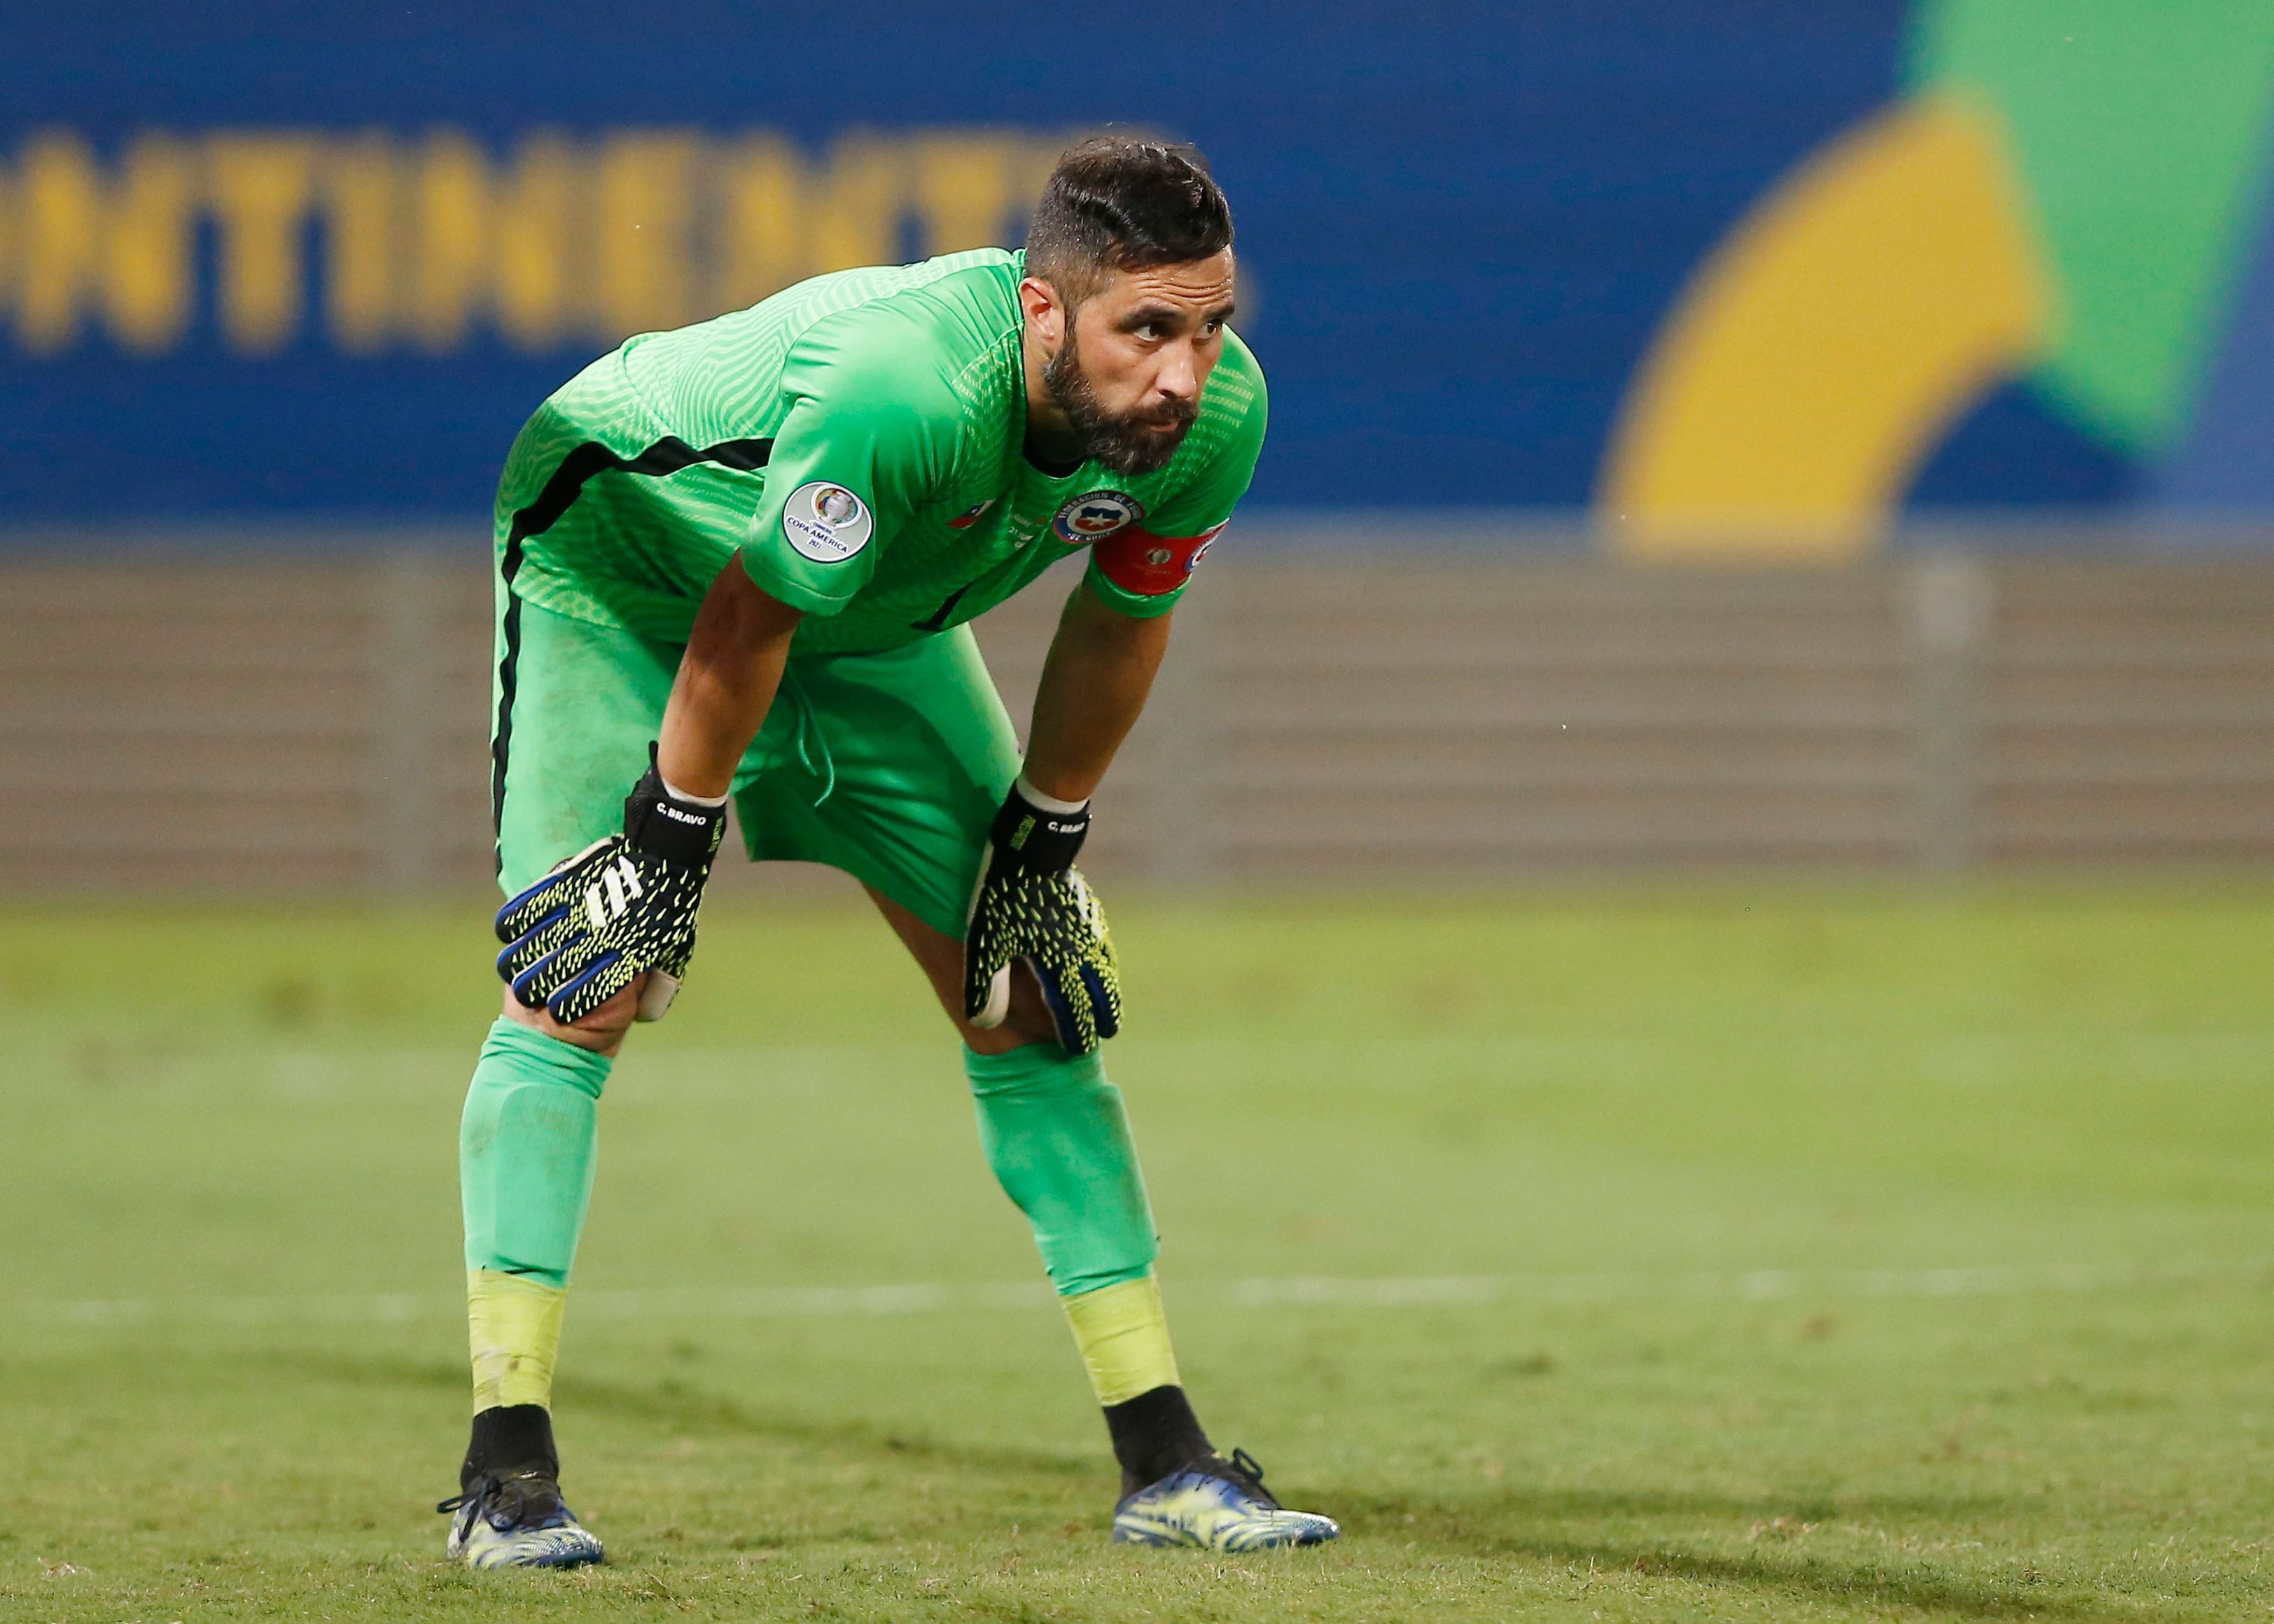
(1046, 314)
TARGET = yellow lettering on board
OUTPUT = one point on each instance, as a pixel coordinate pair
(855, 218)
(759, 245)
(261, 187)
(1032, 160)
(82, 243)
(962, 188)
(536, 241)
(646, 197)
(146, 258)
(60, 207)
(359, 195)
(449, 240)
(499, 243)
(430, 240)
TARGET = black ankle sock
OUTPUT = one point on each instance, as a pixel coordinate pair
(1154, 1434)
(509, 1438)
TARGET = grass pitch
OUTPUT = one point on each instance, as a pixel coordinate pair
(1715, 1255)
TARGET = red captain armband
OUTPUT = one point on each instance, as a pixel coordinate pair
(1150, 566)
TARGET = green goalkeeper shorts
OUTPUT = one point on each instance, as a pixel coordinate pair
(890, 766)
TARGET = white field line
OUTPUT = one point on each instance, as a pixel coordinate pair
(761, 1072)
(1295, 1291)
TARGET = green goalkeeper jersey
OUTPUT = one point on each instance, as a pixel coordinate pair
(859, 440)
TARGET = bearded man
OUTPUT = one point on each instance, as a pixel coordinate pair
(736, 561)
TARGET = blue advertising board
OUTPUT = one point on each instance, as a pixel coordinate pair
(321, 259)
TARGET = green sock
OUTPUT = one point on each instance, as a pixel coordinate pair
(525, 1150)
(1054, 1132)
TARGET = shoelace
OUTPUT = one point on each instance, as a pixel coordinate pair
(1246, 1466)
(473, 1491)
(490, 1488)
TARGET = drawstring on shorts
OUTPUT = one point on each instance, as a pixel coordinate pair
(812, 745)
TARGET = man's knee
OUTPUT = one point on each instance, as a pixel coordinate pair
(940, 957)
(1028, 1020)
(602, 1032)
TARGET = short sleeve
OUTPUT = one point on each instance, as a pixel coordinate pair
(869, 437)
(1142, 571)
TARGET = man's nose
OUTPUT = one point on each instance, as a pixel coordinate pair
(1178, 379)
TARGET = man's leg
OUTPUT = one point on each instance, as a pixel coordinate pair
(577, 705)
(1056, 1135)
(526, 1143)
(900, 761)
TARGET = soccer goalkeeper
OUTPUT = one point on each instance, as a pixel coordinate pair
(735, 561)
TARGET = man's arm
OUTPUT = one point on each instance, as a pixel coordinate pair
(1100, 668)
(725, 682)
(620, 916)
(1031, 905)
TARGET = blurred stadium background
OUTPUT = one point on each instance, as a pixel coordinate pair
(1936, 344)
(1798, 476)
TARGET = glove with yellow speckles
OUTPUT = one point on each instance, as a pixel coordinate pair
(1033, 906)
(622, 907)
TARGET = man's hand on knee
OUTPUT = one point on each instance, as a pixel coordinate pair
(601, 1032)
(1032, 906)
(1028, 1020)
(621, 908)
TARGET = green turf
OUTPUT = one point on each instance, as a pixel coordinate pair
(1794, 1254)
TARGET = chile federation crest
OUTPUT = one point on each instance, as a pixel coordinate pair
(1094, 517)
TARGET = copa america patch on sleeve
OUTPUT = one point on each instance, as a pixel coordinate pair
(827, 522)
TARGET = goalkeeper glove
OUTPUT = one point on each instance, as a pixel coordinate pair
(1032, 905)
(620, 907)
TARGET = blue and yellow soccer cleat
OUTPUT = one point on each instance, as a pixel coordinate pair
(1218, 1505)
(517, 1520)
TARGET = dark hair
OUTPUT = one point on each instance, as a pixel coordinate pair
(1119, 202)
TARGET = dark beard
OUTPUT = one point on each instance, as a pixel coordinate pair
(1124, 443)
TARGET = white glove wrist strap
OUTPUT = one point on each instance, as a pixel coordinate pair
(677, 794)
(1040, 802)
